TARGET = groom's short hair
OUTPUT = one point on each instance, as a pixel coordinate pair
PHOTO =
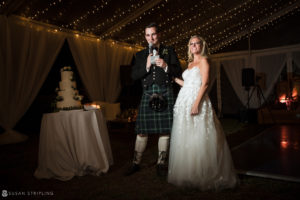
(153, 24)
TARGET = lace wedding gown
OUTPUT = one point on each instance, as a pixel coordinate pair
(199, 154)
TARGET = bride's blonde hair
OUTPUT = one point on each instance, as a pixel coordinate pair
(204, 48)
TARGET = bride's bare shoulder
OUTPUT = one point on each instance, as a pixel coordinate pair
(204, 62)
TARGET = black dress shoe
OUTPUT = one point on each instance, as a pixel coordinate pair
(133, 169)
(161, 170)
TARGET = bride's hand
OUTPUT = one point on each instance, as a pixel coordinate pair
(195, 109)
(179, 81)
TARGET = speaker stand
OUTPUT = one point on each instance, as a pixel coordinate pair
(248, 97)
(260, 95)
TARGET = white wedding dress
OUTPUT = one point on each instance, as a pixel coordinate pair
(199, 154)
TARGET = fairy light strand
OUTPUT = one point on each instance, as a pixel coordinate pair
(218, 19)
(45, 10)
(223, 29)
(259, 24)
(39, 26)
(228, 33)
(117, 15)
(96, 8)
(2, 4)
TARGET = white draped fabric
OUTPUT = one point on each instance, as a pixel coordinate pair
(98, 64)
(272, 66)
(73, 143)
(27, 54)
(233, 69)
(271, 62)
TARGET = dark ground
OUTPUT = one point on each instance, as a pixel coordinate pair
(19, 161)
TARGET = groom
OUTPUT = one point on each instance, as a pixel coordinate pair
(155, 66)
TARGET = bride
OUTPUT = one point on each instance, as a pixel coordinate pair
(199, 154)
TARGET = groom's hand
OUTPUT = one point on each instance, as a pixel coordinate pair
(160, 63)
(148, 64)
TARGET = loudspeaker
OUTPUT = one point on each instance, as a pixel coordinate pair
(248, 77)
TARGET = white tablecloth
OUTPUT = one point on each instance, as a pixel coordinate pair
(73, 143)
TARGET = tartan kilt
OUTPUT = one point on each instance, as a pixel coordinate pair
(153, 122)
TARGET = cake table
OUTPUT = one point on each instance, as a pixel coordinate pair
(73, 143)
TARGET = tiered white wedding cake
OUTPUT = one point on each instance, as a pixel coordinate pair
(67, 94)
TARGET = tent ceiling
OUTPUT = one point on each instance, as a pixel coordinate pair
(220, 22)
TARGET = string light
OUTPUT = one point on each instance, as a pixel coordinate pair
(218, 19)
(187, 32)
(234, 35)
(97, 8)
(2, 4)
(219, 26)
(140, 33)
(39, 26)
(260, 24)
(118, 14)
(206, 26)
(45, 10)
(163, 24)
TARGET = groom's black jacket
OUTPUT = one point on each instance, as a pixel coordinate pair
(156, 75)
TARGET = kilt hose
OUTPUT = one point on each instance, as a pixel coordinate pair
(153, 122)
